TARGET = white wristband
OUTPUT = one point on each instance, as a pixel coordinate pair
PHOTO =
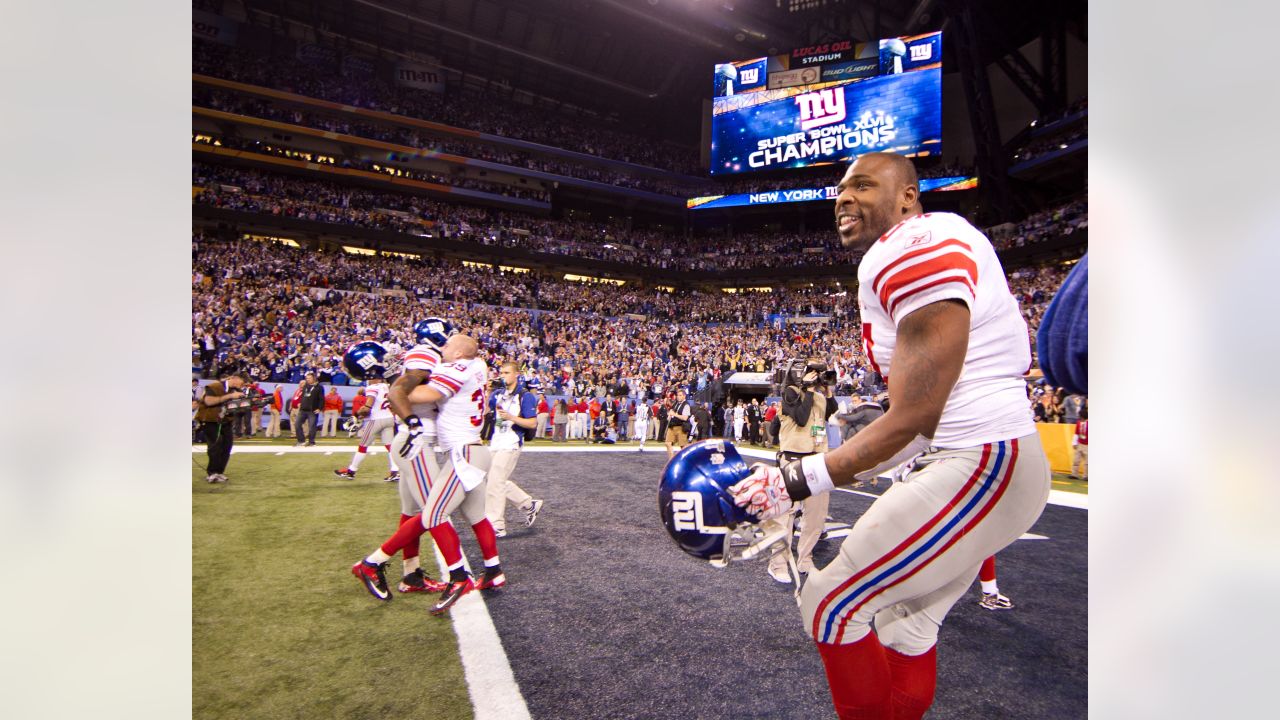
(816, 476)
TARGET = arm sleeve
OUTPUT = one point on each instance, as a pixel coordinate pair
(1062, 342)
(528, 406)
(445, 383)
(928, 273)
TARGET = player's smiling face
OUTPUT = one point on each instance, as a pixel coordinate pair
(865, 200)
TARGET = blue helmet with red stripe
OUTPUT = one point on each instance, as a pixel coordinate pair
(366, 360)
(433, 331)
(694, 500)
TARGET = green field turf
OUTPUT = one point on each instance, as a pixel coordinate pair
(280, 628)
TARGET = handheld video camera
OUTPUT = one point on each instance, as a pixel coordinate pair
(794, 372)
(250, 402)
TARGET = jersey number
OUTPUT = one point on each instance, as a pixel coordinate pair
(477, 397)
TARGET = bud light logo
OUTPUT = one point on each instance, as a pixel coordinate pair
(821, 108)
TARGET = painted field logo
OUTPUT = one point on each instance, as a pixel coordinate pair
(821, 108)
(921, 52)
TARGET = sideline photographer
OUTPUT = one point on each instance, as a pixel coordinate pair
(805, 387)
(220, 405)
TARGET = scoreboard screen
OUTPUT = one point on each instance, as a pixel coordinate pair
(828, 104)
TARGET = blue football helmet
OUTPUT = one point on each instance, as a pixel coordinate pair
(433, 331)
(366, 360)
(694, 499)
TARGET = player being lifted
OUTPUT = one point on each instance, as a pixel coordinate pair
(457, 386)
(940, 324)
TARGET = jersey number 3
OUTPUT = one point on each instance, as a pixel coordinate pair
(477, 397)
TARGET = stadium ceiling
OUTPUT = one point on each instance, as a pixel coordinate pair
(637, 59)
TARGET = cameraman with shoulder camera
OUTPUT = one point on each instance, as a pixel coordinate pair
(805, 386)
(217, 424)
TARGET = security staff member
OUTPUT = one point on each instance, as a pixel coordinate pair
(217, 428)
(802, 430)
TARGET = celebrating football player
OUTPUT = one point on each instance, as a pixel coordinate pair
(457, 386)
(940, 324)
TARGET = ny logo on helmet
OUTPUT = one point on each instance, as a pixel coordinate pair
(686, 514)
(367, 361)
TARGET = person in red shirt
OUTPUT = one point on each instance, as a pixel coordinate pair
(1080, 462)
(594, 407)
(333, 405)
(294, 403)
(544, 416)
(770, 413)
(277, 404)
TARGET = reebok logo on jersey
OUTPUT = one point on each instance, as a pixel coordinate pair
(922, 239)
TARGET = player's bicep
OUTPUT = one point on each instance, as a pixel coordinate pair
(423, 394)
(931, 346)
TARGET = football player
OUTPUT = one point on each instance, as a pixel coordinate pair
(940, 324)
(379, 423)
(372, 361)
(457, 385)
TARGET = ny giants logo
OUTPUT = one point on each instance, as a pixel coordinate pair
(749, 77)
(921, 52)
(821, 108)
(686, 513)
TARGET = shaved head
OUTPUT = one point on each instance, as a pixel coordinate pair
(460, 347)
(897, 166)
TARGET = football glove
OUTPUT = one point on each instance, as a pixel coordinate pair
(417, 437)
(763, 493)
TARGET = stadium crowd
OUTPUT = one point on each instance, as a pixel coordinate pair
(257, 191)
(1045, 225)
(277, 312)
(488, 113)
(535, 191)
(228, 101)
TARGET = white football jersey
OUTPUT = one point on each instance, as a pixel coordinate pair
(642, 413)
(378, 400)
(462, 410)
(940, 256)
(423, 357)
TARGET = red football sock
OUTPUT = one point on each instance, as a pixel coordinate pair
(406, 535)
(415, 546)
(447, 541)
(858, 674)
(362, 449)
(487, 538)
(988, 571)
(914, 679)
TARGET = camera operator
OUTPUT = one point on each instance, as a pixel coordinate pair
(216, 424)
(805, 386)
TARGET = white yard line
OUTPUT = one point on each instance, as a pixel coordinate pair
(490, 682)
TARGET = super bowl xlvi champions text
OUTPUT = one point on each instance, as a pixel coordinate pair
(824, 142)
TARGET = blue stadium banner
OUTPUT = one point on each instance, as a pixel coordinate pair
(900, 113)
(772, 197)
